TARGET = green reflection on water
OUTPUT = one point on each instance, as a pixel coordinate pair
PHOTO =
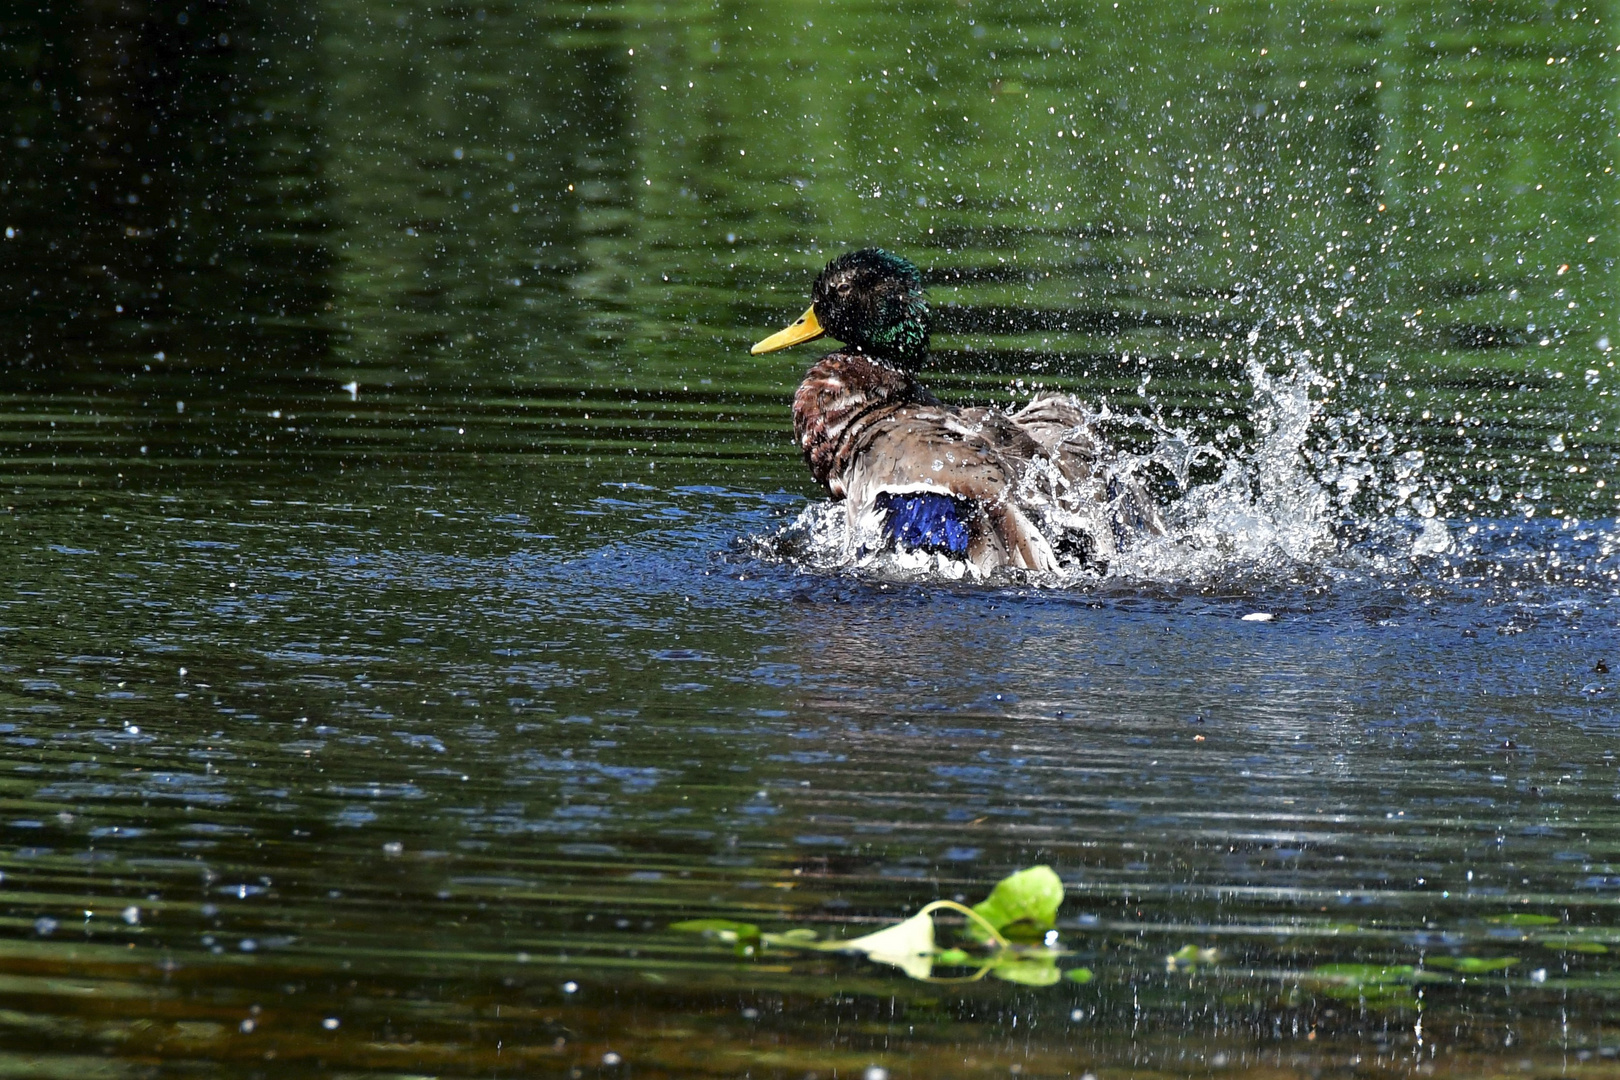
(537, 241)
(575, 218)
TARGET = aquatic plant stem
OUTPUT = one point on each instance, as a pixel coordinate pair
(995, 935)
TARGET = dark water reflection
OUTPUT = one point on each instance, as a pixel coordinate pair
(385, 663)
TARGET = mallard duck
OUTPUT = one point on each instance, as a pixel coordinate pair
(1032, 489)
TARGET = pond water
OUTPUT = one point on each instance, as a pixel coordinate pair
(408, 614)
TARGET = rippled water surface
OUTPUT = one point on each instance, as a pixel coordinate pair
(413, 602)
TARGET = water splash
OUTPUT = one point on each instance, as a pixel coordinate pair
(1271, 508)
(1313, 490)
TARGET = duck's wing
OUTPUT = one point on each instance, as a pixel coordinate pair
(1066, 438)
(1052, 428)
(932, 449)
(1063, 432)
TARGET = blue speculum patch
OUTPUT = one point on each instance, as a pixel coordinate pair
(926, 520)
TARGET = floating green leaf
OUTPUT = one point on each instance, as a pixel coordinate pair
(1029, 898)
(1189, 957)
(1032, 968)
(1078, 975)
(1523, 918)
(1364, 974)
(1472, 965)
(726, 930)
(1576, 942)
(1371, 984)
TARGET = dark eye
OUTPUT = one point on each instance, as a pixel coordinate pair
(843, 288)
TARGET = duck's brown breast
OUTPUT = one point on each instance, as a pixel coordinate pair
(839, 402)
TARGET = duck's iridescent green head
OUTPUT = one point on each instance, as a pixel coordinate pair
(870, 300)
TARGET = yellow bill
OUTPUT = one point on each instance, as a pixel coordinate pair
(806, 328)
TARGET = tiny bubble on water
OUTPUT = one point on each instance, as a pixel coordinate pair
(610, 1058)
(331, 1023)
(570, 987)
